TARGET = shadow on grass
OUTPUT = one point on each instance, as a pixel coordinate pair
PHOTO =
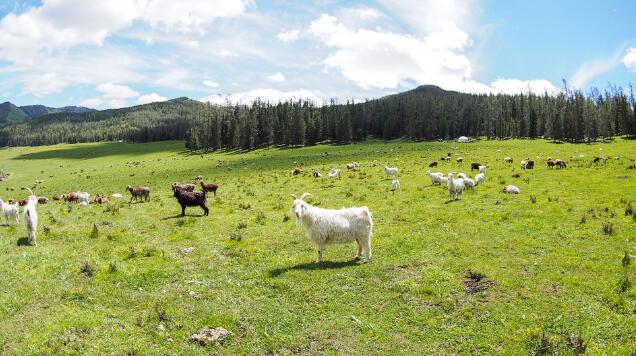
(23, 241)
(182, 216)
(104, 149)
(313, 266)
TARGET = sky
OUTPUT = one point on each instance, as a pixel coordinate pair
(117, 53)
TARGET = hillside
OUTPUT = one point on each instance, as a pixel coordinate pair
(10, 113)
(41, 110)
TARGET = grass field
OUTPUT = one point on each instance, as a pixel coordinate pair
(539, 272)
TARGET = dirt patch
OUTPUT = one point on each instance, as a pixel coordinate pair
(207, 336)
(475, 282)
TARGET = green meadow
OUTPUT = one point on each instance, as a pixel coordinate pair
(540, 272)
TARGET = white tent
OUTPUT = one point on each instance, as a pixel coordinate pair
(463, 139)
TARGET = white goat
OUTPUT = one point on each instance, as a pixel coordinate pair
(443, 181)
(334, 173)
(82, 198)
(434, 177)
(511, 189)
(523, 164)
(481, 177)
(461, 175)
(117, 195)
(31, 217)
(326, 226)
(395, 185)
(10, 211)
(482, 169)
(507, 160)
(469, 184)
(390, 171)
(455, 187)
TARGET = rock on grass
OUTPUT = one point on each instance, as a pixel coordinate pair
(207, 336)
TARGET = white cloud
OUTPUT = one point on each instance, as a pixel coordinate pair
(117, 103)
(63, 24)
(210, 83)
(150, 98)
(514, 86)
(629, 60)
(276, 78)
(288, 36)
(428, 16)
(116, 91)
(267, 95)
(92, 102)
(45, 84)
(592, 69)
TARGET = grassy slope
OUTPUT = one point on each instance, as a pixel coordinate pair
(547, 273)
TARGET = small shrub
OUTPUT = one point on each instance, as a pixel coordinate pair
(236, 236)
(624, 284)
(348, 194)
(502, 181)
(608, 228)
(245, 206)
(87, 269)
(278, 205)
(260, 218)
(162, 314)
(131, 252)
(576, 344)
(112, 267)
(629, 210)
(46, 230)
(242, 225)
(285, 218)
(95, 232)
(582, 220)
(533, 199)
(626, 259)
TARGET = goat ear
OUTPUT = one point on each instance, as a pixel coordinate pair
(293, 196)
(305, 195)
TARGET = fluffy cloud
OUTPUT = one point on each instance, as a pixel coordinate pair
(428, 16)
(268, 95)
(44, 85)
(92, 102)
(276, 78)
(629, 60)
(62, 24)
(210, 83)
(150, 98)
(116, 91)
(514, 86)
(288, 36)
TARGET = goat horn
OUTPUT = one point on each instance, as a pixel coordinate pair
(293, 196)
(302, 197)
(30, 191)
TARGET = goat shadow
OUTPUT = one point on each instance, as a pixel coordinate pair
(182, 216)
(23, 241)
(313, 266)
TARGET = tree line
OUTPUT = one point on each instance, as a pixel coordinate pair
(425, 113)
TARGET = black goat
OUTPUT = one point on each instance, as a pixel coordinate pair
(190, 199)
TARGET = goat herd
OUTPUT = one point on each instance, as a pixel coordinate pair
(322, 226)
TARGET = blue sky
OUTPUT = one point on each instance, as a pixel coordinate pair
(114, 53)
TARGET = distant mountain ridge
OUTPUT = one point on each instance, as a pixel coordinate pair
(10, 113)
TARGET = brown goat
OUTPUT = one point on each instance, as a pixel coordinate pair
(209, 187)
(188, 187)
(516, 175)
(57, 197)
(433, 164)
(100, 199)
(43, 200)
(297, 171)
(560, 164)
(70, 197)
(551, 163)
(139, 192)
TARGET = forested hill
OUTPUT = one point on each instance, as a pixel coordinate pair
(424, 113)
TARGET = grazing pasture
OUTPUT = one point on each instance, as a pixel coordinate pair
(540, 271)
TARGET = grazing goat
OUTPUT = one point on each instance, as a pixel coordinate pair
(508, 160)
(57, 197)
(390, 171)
(559, 163)
(395, 185)
(209, 187)
(511, 189)
(316, 174)
(481, 177)
(70, 197)
(455, 187)
(434, 177)
(188, 187)
(530, 165)
(550, 163)
(334, 173)
(352, 166)
(100, 199)
(31, 217)
(516, 175)
(186, 199)
(10, 212)
(474, 166)
(326, 226)
(523, 164)
(460, 160)
(297, 171)
(461, 175)
(43, 200)
(82, 198)
(139, 192)
(433, 164)
(469, 184)
(482, 169)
